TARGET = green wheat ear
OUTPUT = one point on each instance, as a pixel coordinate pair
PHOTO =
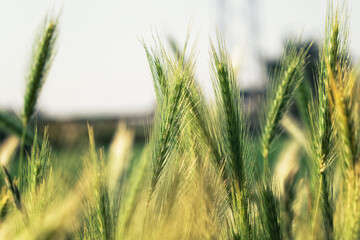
(43, 54)
(287, 79)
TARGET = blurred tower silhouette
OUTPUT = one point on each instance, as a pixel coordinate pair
(238, 23)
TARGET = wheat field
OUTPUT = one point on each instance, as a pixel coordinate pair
(203, 173)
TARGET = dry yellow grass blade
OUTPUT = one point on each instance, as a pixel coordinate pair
(7, 149)
(293, 128)
(288, 163)
(120, 152)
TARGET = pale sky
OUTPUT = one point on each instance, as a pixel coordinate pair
(101, 67)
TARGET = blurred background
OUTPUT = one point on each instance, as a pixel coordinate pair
(101, 75)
